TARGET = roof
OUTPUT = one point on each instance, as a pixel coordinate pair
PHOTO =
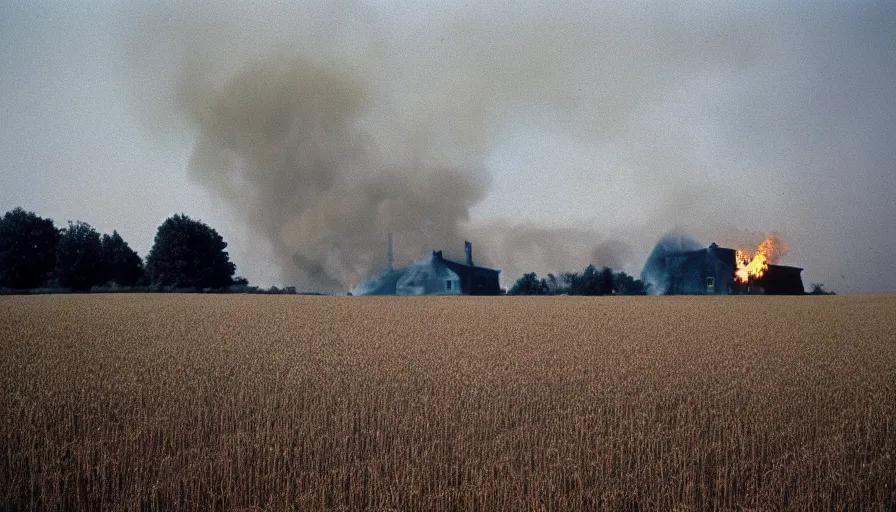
(727, 255)
(789, 267)
(438, 256)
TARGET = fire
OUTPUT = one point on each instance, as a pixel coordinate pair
(755, 266)
(748, 267)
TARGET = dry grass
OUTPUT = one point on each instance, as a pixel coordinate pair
(249, 402)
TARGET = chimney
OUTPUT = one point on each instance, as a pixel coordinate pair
(468, 250)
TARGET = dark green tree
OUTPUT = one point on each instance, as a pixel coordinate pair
(604, 282)
(529, 284)
(588, 282)
(189, 254)
(555, 285)
(27, 249)
(572, 283)
(624, 284)
(121, 264)
(79, 257)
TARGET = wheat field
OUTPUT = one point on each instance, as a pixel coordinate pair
(248, 402)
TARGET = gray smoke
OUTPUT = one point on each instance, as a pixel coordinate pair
(517, 248)
(324, 146)
(328, 125)
(280, 142)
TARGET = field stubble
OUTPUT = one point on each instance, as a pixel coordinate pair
(250, 402)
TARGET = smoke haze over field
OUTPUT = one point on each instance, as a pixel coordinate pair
(279, 141)
(551, 135)
(325, 152)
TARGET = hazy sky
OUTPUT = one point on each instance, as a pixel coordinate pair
(551, 134)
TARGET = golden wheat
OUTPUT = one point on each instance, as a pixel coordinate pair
(156, 402)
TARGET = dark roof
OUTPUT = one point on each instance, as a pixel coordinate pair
(438, 255)
(790, 267)
(473, 280)
(727, 255)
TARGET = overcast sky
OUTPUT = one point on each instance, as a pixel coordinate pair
(552, 134)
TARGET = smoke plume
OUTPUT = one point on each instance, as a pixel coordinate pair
(776, 248)
(520, 247)
(328, 127)
(324, 151)
(280, 141)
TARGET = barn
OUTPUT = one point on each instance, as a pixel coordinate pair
(710, 271)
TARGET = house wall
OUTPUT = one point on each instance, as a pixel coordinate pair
(431, 278)
(690, 273)
(783, 280)
(476, 280)
(722, 269)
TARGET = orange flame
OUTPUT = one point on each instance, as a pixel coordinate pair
(748, 267)
(755, 266)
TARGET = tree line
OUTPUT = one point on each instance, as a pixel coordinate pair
(591, 281)
(186, 254)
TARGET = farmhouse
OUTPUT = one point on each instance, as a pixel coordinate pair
(473, 280)
(437, 276)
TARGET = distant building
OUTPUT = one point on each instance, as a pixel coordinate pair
(710, 271)
(473, 280)
(438, 276)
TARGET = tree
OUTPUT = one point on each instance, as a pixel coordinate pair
(586, 283)
(27, 249)
(554, 286)
(818, 289)
(529, 284)
(120, 263)
(589, 282)
(604, 284)
(624, 284)
(79, 257)
(189, 254)
(572, 282)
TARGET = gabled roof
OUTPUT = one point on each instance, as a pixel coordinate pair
(438, 256)
(725, 254)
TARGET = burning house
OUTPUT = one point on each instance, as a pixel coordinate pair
(721, 271)
(437, 276)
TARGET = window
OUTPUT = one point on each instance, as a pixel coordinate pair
(448, 284)
(710, 284)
